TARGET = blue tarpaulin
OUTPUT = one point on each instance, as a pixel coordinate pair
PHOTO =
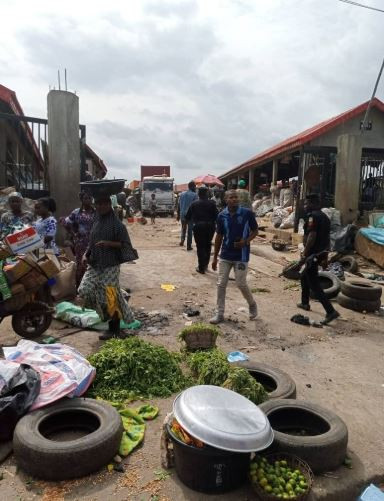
(374, 234)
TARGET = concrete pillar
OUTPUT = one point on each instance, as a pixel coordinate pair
(348, 173)
(64, 150)
(251, 183)
(275, 168)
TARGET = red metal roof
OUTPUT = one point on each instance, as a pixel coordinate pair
(9, 97)
(304, 137)
(91, 154)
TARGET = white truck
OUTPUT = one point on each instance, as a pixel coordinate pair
(163, 188)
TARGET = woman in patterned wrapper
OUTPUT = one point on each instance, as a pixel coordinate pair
(79, 223)
(46, 224)
(100, 288)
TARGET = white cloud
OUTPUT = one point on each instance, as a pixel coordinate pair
(195, 84)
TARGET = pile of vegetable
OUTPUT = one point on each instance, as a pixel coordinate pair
(209, 367)
(212, 367)
(184, 436)
(278, 479)
(199, 328)
(131, 368)
(242, 382)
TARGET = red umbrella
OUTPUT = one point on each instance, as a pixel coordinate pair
(208, 179)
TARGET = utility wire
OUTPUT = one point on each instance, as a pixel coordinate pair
(361, 5)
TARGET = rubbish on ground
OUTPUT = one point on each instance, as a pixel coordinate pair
(168, 287)
(134, 425)
(373, 276)
(237, 356)
(63, 370)
(303, 320)
(337, 269)
(19, 388)
(130, 368)
(257, 290)
(199, 336)
(287, 478)
(191, 312)
(371, 493)
(48, 340)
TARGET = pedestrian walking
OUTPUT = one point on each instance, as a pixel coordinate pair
(153, 208)
(236, 228)
(100, 287)
(185, 201)
(203, 214)
(79, 224)
(243, 195)
(317, 229)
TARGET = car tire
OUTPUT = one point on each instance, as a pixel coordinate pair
(276, 382)
(330, 284)
(358, 289)
(349, 264)
(358, 304)
(324, 451)
(51, 459)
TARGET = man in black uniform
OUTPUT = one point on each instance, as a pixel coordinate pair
(203, 214)
(316, 241)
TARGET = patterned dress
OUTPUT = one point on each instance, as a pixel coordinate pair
(47, 228)
(80, 222)
(10, 222)
(100, 287)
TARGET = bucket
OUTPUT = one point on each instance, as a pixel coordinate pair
(130, 219)
(208, 469)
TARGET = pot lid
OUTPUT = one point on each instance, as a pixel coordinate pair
(223, 419)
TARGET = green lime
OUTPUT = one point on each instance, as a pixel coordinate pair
(268, 488)
(263, 482)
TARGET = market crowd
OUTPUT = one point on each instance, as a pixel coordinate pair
(100, 243)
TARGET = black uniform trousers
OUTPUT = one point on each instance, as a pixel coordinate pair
(203, 232)
(310, 280)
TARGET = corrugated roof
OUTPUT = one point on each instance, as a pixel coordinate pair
(304, 137)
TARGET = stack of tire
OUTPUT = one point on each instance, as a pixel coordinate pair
(360, 296)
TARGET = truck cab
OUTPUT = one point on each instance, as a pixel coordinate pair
(163, 188)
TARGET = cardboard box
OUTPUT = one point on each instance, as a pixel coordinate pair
(32, 279)
(24, 265)
(49, 265)
(24, 241)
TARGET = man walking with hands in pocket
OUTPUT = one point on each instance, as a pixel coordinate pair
(236, 228)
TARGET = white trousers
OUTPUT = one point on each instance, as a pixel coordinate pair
(241, 270)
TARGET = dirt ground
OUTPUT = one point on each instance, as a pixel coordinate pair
(339, 367)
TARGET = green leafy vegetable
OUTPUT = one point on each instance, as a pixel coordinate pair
(131, 368)
(242, 382)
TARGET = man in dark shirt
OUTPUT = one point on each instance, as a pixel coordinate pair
(236, 228)
(203, 213)
(316, 240)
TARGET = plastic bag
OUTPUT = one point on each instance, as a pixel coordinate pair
(63, 370)
(76, 315)
(19, 388)
(65, 282)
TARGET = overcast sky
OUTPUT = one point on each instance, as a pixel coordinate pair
(201, 85)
